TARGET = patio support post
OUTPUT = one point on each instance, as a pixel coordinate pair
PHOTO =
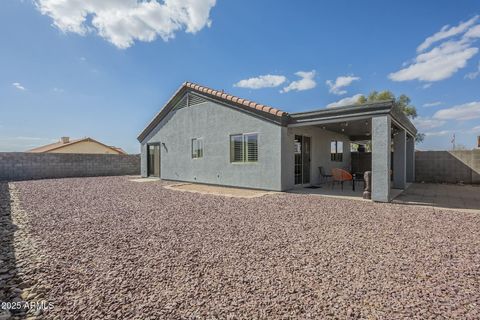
(399, 159)
(381, 144)
(143, 160)
(411, 159)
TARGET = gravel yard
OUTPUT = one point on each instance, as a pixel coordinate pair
(113, 248)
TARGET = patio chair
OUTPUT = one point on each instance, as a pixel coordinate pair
(340, 175)
(323, 175)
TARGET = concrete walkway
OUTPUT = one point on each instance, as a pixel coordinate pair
(450, 196)
(218, 190)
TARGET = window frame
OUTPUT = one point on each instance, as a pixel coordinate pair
(336, 156)
(244, 148)
(199, 151)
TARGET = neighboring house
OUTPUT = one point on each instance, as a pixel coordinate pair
(208, 136)
(84, 145)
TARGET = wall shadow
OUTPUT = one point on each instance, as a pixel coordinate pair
(9, 279)
(446, 166)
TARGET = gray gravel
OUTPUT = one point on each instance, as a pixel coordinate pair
(120, 249)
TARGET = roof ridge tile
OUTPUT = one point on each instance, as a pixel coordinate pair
(245, 102)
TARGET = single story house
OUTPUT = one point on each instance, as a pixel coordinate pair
(208, 136)
(83, 145)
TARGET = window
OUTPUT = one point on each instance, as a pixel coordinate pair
(197, 148)
(336, 150)
(244, 147)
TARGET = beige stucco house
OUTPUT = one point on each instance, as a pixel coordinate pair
(83, 145)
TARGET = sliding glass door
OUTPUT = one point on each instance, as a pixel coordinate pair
(153, 160)
(302, 159)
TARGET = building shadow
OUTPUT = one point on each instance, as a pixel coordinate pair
(9, 279)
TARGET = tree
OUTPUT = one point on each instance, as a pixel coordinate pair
(402, 102)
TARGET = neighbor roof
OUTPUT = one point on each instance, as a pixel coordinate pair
(267, 112)
(60, 144)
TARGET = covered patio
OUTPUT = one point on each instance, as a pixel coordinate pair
(382, 126)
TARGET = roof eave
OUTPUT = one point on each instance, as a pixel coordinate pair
(386, 107)
(265, 112)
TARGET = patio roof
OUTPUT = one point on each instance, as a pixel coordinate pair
(352, 113)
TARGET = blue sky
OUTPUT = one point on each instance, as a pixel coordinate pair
(106, 76)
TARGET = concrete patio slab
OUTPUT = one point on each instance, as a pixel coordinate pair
(326, 190)
(445, 196)
(149, 179)
(218, 190)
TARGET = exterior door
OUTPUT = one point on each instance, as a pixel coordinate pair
(302, 159)
(153, 159)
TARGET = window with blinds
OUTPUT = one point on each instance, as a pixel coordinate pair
(244, 147)
(251, 147)
(197, 148)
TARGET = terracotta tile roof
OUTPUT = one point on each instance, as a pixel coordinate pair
(60, 144)
(273, 114)
(225, 96)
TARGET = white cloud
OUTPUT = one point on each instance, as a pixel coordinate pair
(340, 83)
(447, 32)
(475, 129)
(18, 86)
(427, 85)
(473, 75)
(121, 22)
(306, 82)
(423, 123)
(438, 133)
(473, 32)
(432, 104)
(344, 102)
(444, 59)
(467, 111)
(266, 81)
(438, 64)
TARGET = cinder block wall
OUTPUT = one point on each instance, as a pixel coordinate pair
(448, 166)
(27, 166)
(434, 166)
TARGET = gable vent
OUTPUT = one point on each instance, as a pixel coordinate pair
(182, 103)
(194, 100)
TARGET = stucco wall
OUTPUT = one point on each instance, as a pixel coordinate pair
(26, 166)
(85, 147)
(320, 152)
(215, 123)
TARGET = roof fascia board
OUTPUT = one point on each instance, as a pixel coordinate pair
(163, 111)
(333, 119)
(346, 109)
(399, 124)
(403, 121)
